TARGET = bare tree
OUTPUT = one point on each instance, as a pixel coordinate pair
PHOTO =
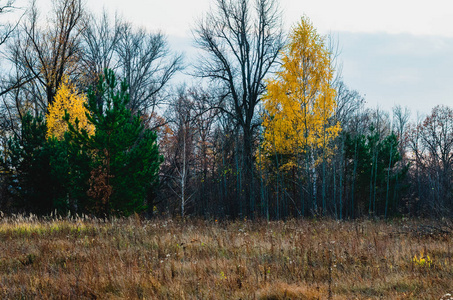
(6, 29)
(179, 147)
(146, 63)
(349, 103)
(401, 121)
(241, 41)
(8, 83)
(49, 53)
(99, 40)
(437, 139)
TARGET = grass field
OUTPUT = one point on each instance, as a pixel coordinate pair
(164, 259)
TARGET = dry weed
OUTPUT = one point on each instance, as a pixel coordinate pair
(86, 258)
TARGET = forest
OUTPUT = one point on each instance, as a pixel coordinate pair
(93, 122)
(260, 175)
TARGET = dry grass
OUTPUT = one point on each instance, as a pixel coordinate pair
(299, 259)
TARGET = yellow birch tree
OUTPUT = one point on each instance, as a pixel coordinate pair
(300, 101)
(67, 99)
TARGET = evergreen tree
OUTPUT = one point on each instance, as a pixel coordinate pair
(375, 172)
(27, 165)
(70, 167)
(125, 156)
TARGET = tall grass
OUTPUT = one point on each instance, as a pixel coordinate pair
(87, 258)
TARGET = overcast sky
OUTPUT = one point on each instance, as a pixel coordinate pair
(392, 51)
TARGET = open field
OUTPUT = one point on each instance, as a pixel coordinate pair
(299, 259)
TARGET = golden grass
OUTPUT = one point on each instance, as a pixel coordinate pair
(83, 258)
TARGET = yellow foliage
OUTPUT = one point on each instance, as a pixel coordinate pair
(67, 99)
(300, 102)
(423, 261)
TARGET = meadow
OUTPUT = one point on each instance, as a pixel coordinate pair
(133, 258)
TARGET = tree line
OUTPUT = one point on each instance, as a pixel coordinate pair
(91, 122)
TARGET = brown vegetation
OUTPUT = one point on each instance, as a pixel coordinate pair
(163, 259)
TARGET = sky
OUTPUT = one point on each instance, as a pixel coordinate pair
(394, 52)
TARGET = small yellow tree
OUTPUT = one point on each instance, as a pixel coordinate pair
(300, 102)
(67, 99)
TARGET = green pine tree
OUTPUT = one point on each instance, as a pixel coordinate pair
(125, 156)
(70, 167)
(375, 173)
(27, 166)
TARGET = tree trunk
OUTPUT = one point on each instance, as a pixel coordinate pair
(248, 173)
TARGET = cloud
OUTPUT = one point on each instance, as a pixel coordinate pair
(390, 16)
(399, 68)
